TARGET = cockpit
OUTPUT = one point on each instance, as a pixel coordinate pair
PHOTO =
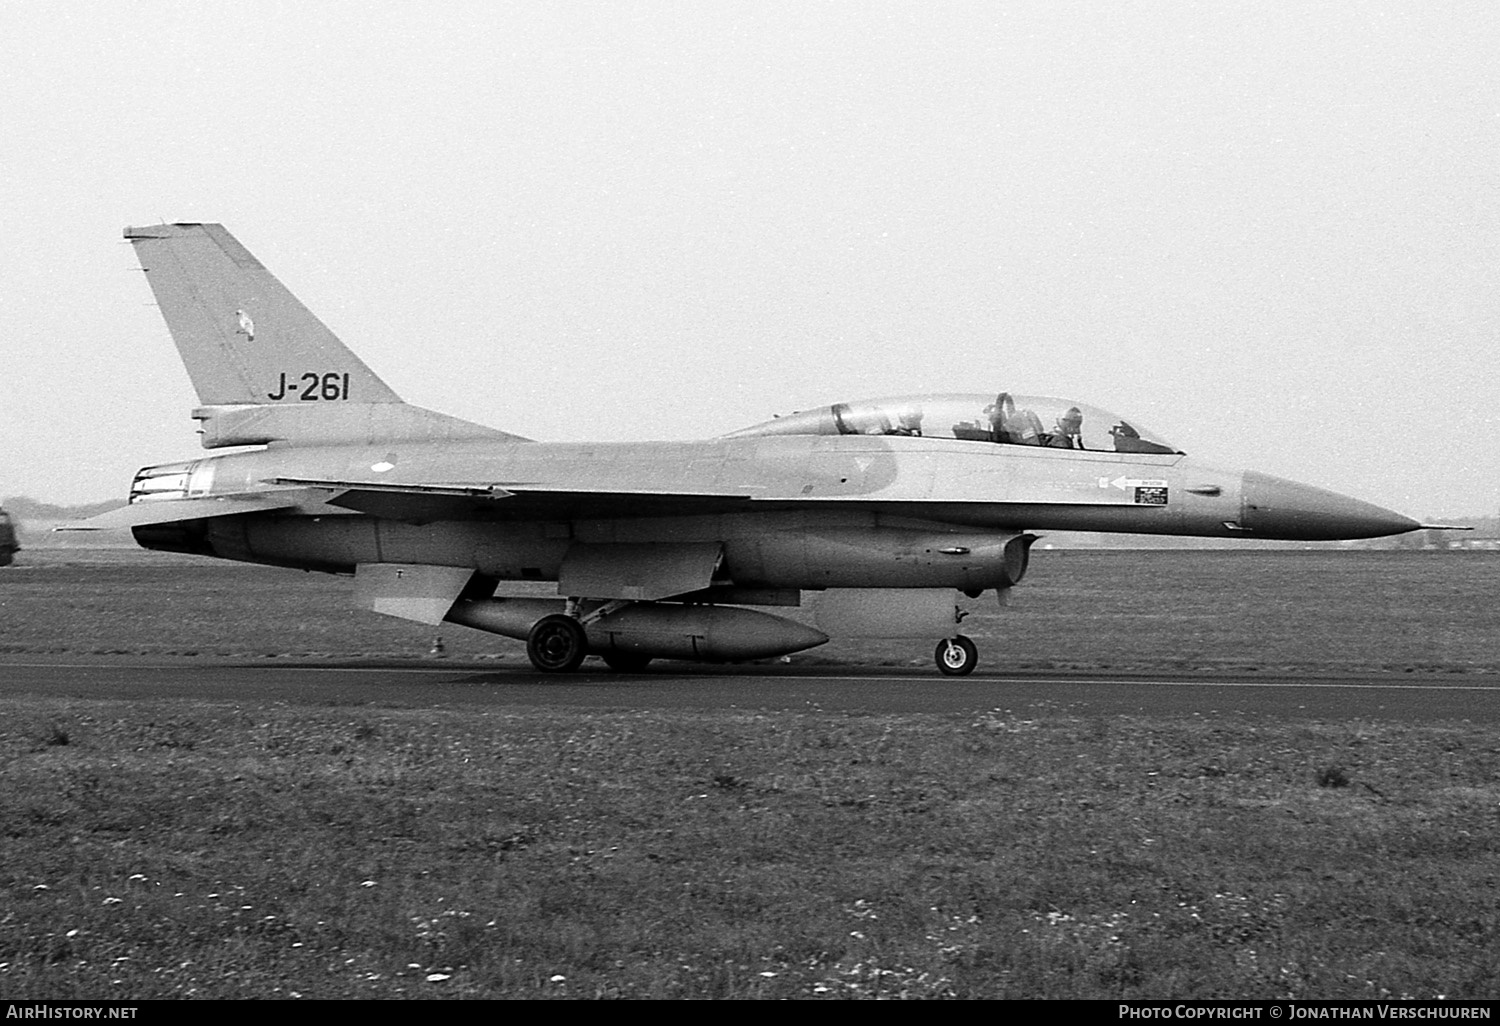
(1000, 419)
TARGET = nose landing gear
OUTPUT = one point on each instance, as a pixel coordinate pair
(956, 656)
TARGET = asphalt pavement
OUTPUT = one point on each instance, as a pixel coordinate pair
(443, 684)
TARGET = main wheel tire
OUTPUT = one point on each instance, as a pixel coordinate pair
(557, 644)
(626, 662)
(956, 656)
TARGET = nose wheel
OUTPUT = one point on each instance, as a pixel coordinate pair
(956, 656)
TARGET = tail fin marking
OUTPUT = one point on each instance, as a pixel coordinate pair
(265, 368)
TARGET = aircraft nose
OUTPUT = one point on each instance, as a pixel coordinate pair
(1273, 507)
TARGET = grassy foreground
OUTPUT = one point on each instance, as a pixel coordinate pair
(189, 849)
(1319, 612)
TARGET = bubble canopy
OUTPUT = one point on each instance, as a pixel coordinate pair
(998, 419)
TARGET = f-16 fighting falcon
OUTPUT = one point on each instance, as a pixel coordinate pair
(889, 507)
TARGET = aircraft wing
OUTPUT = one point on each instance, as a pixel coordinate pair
(426, 503)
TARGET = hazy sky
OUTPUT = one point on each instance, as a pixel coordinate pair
(1268, 231)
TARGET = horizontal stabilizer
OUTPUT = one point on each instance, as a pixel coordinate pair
(168, 511)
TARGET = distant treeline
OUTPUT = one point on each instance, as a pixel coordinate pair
(34, 521)
(22, 507)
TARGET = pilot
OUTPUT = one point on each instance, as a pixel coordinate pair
(908, 422)
(1066, 435)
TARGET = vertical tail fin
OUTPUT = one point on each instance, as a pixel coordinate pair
(245, 339)
(264, 367)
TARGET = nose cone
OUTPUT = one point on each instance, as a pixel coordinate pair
(1274, 507)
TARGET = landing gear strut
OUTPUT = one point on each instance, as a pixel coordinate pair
(956, 656)
(557, 644)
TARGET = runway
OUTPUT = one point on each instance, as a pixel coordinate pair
(442, 684)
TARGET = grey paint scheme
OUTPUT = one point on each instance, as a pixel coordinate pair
(350, 476)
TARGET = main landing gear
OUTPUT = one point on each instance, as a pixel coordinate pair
(956, 656)
(557, 644)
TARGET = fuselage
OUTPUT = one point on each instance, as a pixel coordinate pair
(791, 511)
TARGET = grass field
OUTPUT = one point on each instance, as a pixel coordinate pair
(240, 849)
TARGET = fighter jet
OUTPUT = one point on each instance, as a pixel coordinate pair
(890, 508)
